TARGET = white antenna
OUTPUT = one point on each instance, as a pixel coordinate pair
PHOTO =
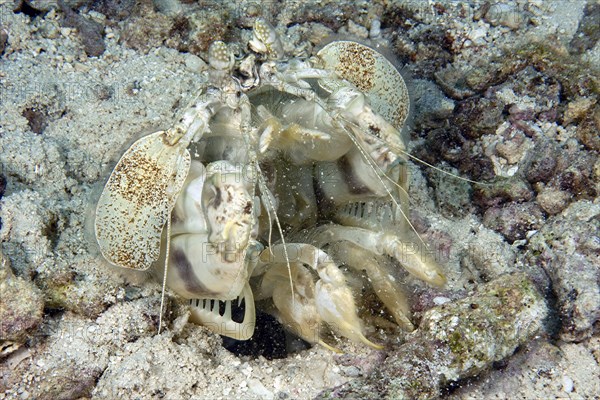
(164, 282)
(441, 170)
(265, 189)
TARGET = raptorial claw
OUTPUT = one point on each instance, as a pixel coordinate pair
(298, 313)
(336, 306)
(416, 259)
(381, 276)
(330, 299)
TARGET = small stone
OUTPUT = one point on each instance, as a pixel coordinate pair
(563, 249)
(90, 32)
(3, 40)
(588, 34)
(49, 30)
(2, 185)
(502, 191)
(430, 102)
(452, 195)
(478, 35)
(22, 305)
(587, 130)
(453, 82)
(357, 30)
(553, 201)
(577, 109)
(542, 163)
(488, 256)
(504, 14)
(318, 33)
(439, 300)
(514, 220)
(375, 30)
(567, 383)
(195, 63)
(259, 389)
(446, 143)
(514, 148)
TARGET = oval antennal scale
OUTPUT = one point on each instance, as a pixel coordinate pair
(372, 74)
(137, 201)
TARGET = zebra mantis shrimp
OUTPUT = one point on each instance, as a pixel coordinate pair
(311, 147)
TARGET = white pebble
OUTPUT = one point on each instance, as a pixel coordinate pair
(375, 30)
(504, 14)
(194, 63)
(567, 384)
(439, 300)
(259, 389)
(357, 30)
